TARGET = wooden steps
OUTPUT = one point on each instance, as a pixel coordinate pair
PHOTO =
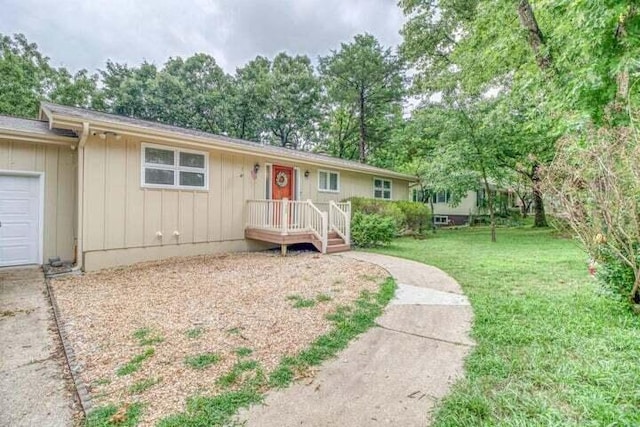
(334, 242)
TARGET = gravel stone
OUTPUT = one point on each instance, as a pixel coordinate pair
(239, 300)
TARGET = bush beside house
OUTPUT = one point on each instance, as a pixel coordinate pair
(377, 222)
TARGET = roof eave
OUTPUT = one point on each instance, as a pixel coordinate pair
(34, 137)
(75, 123)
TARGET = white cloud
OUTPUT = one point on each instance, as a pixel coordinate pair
(84, 34)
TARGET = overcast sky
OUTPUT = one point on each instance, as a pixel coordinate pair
(85, 33)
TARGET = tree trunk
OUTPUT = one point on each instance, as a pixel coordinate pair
(362, 143)
(490, 205)
(634, 296)
(540, 218)
(433, 218)
(243, 127)
(536, 39)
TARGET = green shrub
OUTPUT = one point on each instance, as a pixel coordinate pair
(383, 208)
(371, 230)
(614, 274)
(408, 216)
(417, 216)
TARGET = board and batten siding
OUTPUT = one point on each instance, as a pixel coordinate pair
(467, 206)
(123, 220)
(352, 184)
(119, 213)
(59, 165)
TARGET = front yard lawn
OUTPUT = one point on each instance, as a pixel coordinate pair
(189, 340)
(552, 349)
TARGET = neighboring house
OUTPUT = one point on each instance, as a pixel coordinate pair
(104, 190)
(473, 205)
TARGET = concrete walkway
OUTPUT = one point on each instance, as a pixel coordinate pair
(33, 390)
(394, 373)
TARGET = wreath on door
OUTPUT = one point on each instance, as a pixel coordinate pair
(282, 179)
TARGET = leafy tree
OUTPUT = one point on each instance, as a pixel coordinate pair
(129, 90)
(28, 78)
(292, 111)
(365, 80)
(199, 88)
(250, 90)
(79, 90)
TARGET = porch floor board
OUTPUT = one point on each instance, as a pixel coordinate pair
(277, 237)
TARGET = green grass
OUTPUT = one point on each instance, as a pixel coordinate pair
(243, 351)
(300, 302)
(142, 385)
(552, 349)
(323, 298)
(194, 333)
(202, 361)
(134, 364)
(348, 323)
(107, 416)
(235, 376)
(248, 389)
(147, 336)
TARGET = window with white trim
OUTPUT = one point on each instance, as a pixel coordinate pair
(441, 219)
(443, 197)
(328, 181)
(168, 167)
(382, 188)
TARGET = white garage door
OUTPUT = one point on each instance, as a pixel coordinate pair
(19, 220)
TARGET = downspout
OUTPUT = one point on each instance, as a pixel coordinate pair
(79, 247)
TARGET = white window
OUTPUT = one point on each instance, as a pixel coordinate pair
(441, 219)
(168, 167)
(443, 197)
(328, 181)
(382, 188)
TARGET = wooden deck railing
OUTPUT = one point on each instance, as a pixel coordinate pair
(287, 217)
(340, 220)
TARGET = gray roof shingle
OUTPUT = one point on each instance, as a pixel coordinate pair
(32, 126)
(91, 115)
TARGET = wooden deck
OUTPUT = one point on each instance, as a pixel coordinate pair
(334, 242)
(285, 222)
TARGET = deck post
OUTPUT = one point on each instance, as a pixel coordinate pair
(325, 231)
(348, 224)
(284, 217)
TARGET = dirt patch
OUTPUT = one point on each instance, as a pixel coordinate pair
(224, 305)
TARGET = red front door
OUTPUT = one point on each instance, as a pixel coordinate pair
(282, 183)
(281, 188)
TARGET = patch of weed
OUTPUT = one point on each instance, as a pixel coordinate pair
(213, 411)
(243, 351)
(235, 375)
(146, 336)
(142, 385)
(323, 298)
(194, 333)
(300, 302)
(202, 361)
(134, 364)
(111, 415)
(102, 381)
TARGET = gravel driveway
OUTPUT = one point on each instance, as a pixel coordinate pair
(263, 305)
